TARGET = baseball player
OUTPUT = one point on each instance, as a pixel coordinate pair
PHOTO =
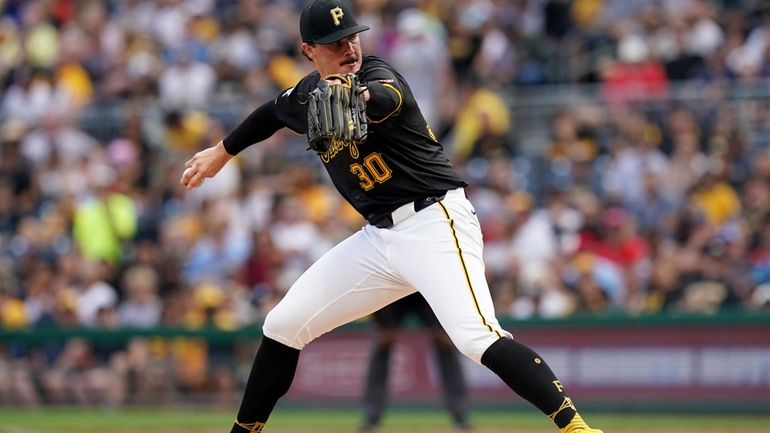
(387, 321)
(422, 232)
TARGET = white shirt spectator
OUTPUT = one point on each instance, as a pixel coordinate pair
(169, 24)
(56, 135)
(31, 101)
(705, 37)
(624, 176)
(421, 57)
(239, 50)
(188, 84)
(142, 307)
(93, 298)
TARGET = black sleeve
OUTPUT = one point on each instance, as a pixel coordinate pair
(386, 96)
(259, 125)
(385, 100)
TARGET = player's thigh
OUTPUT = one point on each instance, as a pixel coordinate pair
(446, 267)
(350, 281)
(420, 308)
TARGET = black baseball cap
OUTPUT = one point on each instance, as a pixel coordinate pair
(328, 21)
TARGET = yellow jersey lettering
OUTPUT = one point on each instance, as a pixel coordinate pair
(336, 147)
(373, 171)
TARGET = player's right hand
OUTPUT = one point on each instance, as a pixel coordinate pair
(204, 164)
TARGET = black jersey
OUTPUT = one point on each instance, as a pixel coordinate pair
(401, 161)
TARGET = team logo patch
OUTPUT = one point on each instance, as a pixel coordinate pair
(337, 15)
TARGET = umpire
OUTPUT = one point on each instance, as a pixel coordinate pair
(388, 322)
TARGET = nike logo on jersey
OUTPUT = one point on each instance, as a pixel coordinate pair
(288, 92)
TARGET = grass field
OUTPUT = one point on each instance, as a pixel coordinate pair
(65, 420)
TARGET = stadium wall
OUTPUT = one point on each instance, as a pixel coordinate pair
(662, 363)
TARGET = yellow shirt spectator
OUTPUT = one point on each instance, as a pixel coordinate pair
(186, 131)
(74, 78)
(718, 201)
(42, 44)
(485, 112)
(101, 225)
(12, 314)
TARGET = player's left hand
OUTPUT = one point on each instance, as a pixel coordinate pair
(204, 164)
(336, 111)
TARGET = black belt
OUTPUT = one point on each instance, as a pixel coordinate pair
(387, 221)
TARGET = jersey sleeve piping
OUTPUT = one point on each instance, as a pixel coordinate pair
(395, 110)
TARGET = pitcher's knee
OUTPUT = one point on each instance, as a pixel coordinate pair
(471, 349)
(285, 329)
(475, 347)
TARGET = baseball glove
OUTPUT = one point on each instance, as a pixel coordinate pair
(336, 112)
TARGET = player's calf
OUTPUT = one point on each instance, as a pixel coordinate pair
(527, 374)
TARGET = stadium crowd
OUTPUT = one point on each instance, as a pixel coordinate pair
(637, 203)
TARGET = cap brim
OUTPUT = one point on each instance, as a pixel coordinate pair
(336, 36)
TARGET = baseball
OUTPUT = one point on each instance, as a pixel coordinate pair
(187, 174)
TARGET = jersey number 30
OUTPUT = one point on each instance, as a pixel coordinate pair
(373, 170)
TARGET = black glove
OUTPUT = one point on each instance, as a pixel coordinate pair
(336, 112)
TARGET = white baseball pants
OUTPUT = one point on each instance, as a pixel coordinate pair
(437, 251)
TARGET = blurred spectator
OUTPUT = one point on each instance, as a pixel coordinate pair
(142, 307)
(484, 118)
(103, 223)
(218, 253)
(57, 141)
(716, 198)
(32, 95)
(420, 53)
(41, 38)
(624, 254)
(707, 289)
(187, 83)
(654, 212)
(94, 294)
(185, 131)
(635, 76)
(637, 154)
(297, 239)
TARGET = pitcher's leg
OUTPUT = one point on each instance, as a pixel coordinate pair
(440, 253)
(454, 284)
(270, 377)
(350, 281)
(323, 298)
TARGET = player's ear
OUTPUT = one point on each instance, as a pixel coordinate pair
(308, 50)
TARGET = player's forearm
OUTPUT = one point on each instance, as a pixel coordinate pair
(259, 125)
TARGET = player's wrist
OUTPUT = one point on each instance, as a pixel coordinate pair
(222, 151)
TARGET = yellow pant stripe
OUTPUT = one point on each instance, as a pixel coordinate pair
(465, 270)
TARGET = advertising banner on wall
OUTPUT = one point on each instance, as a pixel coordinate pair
(624, 366)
